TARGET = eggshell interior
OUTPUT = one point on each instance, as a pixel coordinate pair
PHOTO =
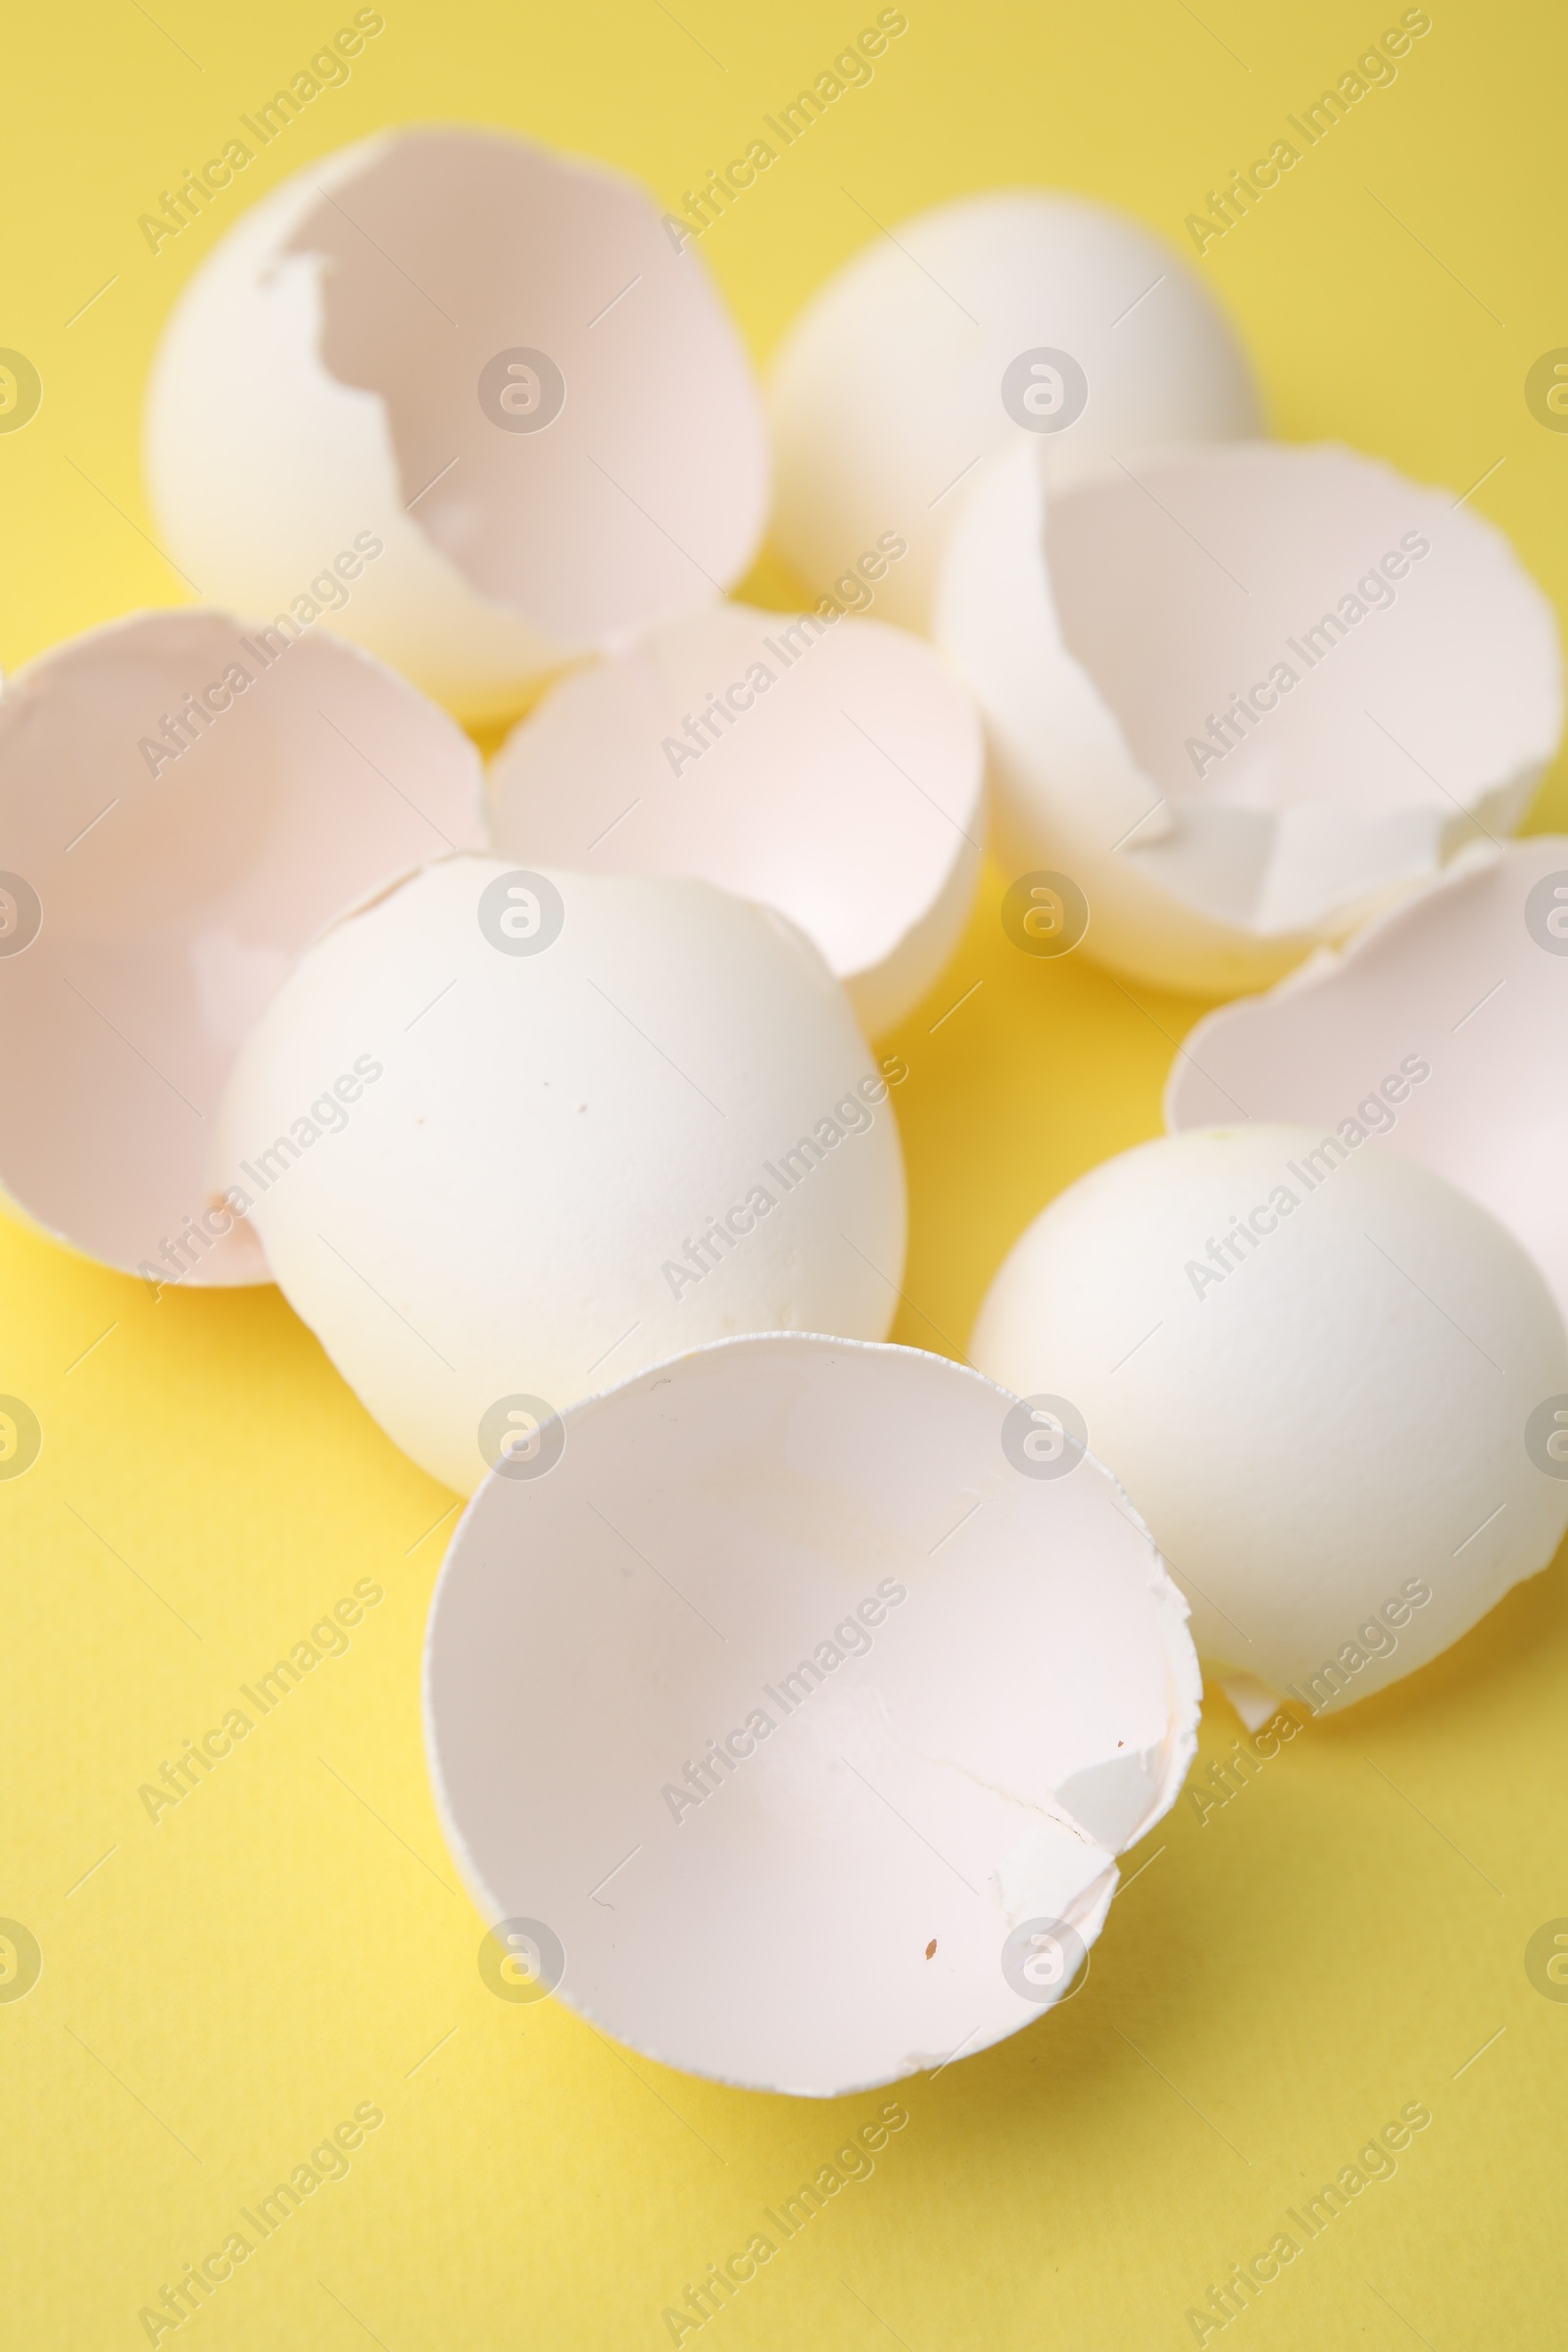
(887, 390)
(1442, 1031)
(1312, 1367)
(834, 770)
(557, 1154)
(1244, 694)
(177, 872)
(337, 367)
(992, 1692)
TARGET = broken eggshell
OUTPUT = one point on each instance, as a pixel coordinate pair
(1244, 694)
(488, 358)
(1441, 1028)
(833, 770)
(1013, 315)
(889, 1699)
(583, 1123)
(1316, 1369)
(185, 800)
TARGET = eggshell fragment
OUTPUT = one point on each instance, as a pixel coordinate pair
(832, 769)
(1402, 671)
(1319, 1373)
(1441, 1029)
(492, 361)
(585, 1122)
(879, 1686)
(184, 800)
(1009, 317)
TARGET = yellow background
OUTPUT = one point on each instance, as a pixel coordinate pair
(226, 1984)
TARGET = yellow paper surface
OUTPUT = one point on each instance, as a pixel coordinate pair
(223, 1987)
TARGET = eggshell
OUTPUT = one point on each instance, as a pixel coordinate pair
(157, 885)
(1467, 989)
(1108, 627)
(339, 365)
(831, 768)
(1331, 1437)
(564, 1080)
(912, 364)
(950, 1690)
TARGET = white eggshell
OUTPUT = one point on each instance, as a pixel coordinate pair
(519, 1199)
(1467, 989)
(834, 770)
(1105, 629)
(886, 392)
(325, 375)
(157, 886)
(1339, 1417)
(994, 1692)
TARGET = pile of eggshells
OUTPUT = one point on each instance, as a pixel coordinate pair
(544, 1094)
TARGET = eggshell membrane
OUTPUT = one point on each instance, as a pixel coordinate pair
(845, 786)
(706, 1529)
(886, 391)
(319, 378)
(1102, 628)
(1341, 1411)
(506, 1210)
(173, 903)
(1456, 981)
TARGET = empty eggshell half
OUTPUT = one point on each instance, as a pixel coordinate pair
(582, 1123)
(1004, 317)
(185, 800)
(1321, 1374)
(1244, 694)
(833, 770)
(887, 1703)
(1441, 1029)
(485, 362)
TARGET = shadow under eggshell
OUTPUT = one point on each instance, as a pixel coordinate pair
(177, 872)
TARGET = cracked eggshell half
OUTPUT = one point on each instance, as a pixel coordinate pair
(1014, 317)
(598, 1120)
(833, 768)
(1314, 1367)
(185, 800)
(1441, 1029)
(1244, 695)
(888, 1704)
(487, 359)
